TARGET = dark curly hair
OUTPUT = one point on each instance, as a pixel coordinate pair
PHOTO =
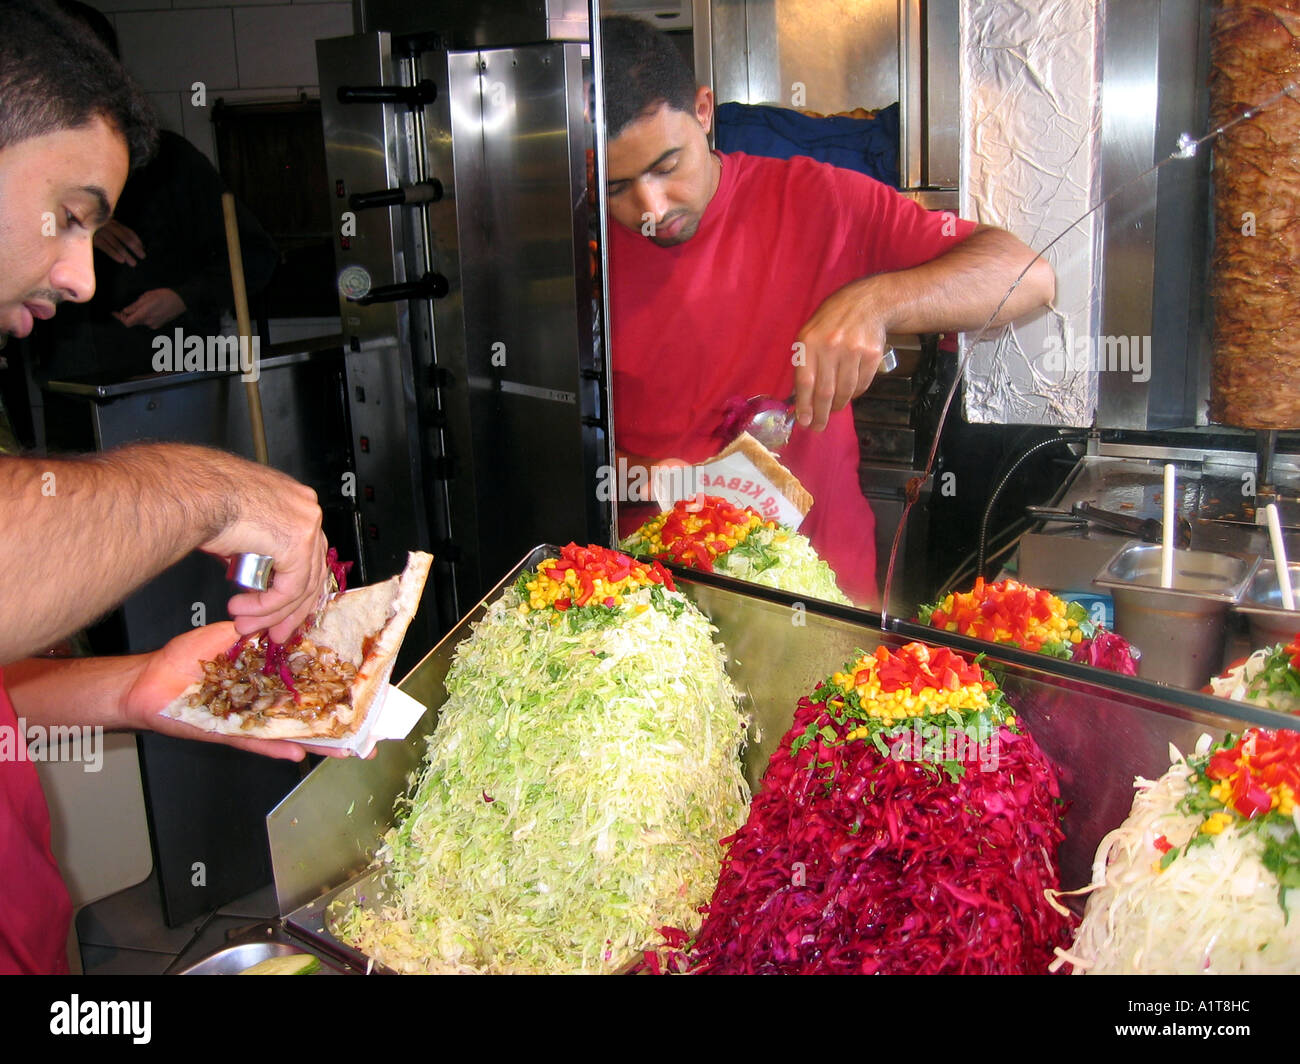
(55, 74)
(643, 70)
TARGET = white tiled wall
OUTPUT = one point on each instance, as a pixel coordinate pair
(241, 50)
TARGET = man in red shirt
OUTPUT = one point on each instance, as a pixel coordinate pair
(733, 276)
(77, 535)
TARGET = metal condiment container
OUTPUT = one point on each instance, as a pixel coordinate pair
(253, 571)
(1180, 630)
(1270, 623)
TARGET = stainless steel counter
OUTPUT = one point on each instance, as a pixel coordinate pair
(1101, 730)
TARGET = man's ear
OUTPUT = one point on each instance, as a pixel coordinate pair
(704, 107)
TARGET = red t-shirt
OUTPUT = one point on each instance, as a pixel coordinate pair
(35, 909)
(716, 318)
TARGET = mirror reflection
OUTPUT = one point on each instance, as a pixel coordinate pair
(755, 288)
(796, 191)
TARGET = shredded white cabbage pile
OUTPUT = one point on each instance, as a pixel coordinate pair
(1213, 911)
(573, 796)
(1243, 683)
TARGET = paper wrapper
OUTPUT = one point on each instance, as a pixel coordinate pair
(392, 716)
(745, 473)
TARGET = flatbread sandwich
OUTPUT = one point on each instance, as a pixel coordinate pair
(321, 685)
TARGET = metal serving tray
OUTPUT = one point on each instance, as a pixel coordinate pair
(1218, 576)
(311, 922)
(252, 947)
(1100, 729)
(1261, 603)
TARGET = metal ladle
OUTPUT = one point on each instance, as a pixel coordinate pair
(769, 420)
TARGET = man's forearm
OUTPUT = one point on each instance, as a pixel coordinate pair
(960, 289)
(73, 691)
(78, 535)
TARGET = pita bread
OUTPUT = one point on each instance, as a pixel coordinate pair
(766, 463)
(364, 628)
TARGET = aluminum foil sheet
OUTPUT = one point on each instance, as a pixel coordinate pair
(1029, 163)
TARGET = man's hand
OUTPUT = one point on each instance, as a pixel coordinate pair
(77, 535)
(844, 342)
(273, 514)
(154, 309)
(119, 242)
(130, 692)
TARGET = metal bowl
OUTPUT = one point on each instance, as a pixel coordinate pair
(1180, 630)
(231, 960)
(1261, 603)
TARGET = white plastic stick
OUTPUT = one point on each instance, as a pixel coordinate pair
(1279, 556)
(1167, 537)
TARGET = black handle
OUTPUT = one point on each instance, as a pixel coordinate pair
(412, 96)
(407, 195)
(413, 44)
(430, 286)
(1147, 529)
(388, 197)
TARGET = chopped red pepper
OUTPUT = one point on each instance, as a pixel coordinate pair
(1001, 612)
(695, 531)
(1222, 765)
(1256, 768)
(917, 667)
(588, 564)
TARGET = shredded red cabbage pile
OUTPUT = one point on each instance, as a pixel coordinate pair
(1108, 650)
(852, 861)
(277, 661)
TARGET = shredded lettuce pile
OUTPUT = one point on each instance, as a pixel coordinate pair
(584, 767)
(775, 557)
(783, 559)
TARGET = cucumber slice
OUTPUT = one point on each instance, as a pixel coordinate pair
(290, 964)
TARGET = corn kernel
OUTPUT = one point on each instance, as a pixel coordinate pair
(1215, 823)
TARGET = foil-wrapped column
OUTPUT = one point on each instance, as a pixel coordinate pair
(1256, 269)
(1029, 164)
